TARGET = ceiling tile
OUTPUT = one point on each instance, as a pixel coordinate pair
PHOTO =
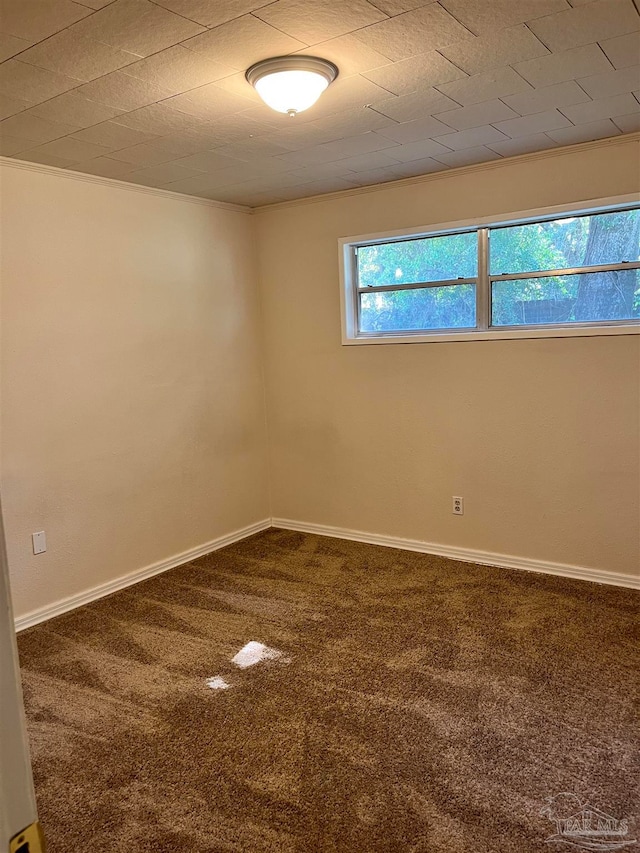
(212, 14)
(258, 147)
(534, 123)
(73, 149)
(627, 124)
(258, 167)
(350, 55)
(585, 132)
(420, 150)
(11, 106)
(348, 123)
(277, 182)
(201, 184)
(138, 26)
(237, 174)
(38, 155)
(412, 131)
(208, 102)
(95, 4)
(143, 154)
(363, 162)
(419, 167)
(33, 129)
(368, 177)
(242, 42)
(157, 176)
(312, 21)
(347, 93)
(397, 7)
(483, 17)
(468, 157)
(328, 128)
(495, 49)
(547, 98)
(364, 143)
(111, 135)
(10, 45)
(181, 145)
(19, 80)
(415, 106)
(10, 146)
(207, 161)
(427, 28)
(623, 50)
(618, 105)
(338, 150)
(326, 185)
(76, 56)
(612, 82)
(140, 91)
(237, 127)
(104, 167)
(72, 108)
(586, 24)
(319, 171)
(568, 65)
(177, 69)
(34, 20)
(408, 75)
(236, 84)
(523, 145)
(485, 86)
(159, 120)
(472, 138)
(123, 92)
(476, 115)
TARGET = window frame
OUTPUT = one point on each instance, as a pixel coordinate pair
(349, 291)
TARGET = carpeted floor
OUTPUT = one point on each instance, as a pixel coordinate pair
(407, 703)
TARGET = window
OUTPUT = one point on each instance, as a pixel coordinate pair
(575, 273)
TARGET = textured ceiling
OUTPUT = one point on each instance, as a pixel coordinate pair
(154, 93)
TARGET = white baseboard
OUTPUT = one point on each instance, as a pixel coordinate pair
(73, 601)
(465, 555)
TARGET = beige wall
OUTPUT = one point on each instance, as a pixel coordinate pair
(133, 422)
(132, 397)
(541, 437)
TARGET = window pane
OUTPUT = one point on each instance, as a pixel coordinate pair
(450, 307)
(413, 261)
(589, 297)
(575, 241)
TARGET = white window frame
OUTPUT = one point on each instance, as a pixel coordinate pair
(349, 295)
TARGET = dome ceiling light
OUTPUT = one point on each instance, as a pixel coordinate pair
(291, 84)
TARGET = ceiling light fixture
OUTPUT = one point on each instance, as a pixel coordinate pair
(291, 84)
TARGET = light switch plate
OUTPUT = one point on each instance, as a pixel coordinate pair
(39, 542)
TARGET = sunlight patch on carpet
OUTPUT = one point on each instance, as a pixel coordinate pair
(218, 683)
(254, 653)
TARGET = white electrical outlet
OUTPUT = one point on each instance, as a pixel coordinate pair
(458, 505)
(39, 542)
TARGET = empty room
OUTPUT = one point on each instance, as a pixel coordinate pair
(320, 426)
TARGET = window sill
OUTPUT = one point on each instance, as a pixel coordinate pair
(495, 334)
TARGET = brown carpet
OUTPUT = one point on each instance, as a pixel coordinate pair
(418, 704)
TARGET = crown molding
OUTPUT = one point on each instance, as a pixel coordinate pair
(123, 185)
(547, 153)
(626, 138)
